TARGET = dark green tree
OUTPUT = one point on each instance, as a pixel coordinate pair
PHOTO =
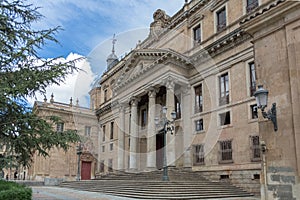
(23, 73)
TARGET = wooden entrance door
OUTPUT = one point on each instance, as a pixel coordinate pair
(86, 169)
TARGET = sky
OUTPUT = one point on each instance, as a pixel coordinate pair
(88, 27)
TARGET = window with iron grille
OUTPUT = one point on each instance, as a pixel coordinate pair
(254, 114)
(178, 106)
(103, 133)
(252, 78)
(251, 5)
(199, 125)
(255, 148)
(198, 99)
(224, 89)
(221, 19)
(60, 127)
(111, 130)
(102, 166)
(226, 151)
(225, 118)
(197, 34)
(199, 154)
(110, 165)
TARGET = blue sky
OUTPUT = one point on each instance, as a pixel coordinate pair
(88, 27)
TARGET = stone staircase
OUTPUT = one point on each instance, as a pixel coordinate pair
(148, 185)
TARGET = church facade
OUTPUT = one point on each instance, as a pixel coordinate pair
(205, 63)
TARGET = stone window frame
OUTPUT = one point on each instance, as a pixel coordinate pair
(245, 5)
(112, 125)
(194, 28)
(255, 148)
(216, 11)
(200, 130)
(219, 85)
(198, 157)
(198, 108)
(248, 77)
(60, 127)
(103, 133)
(225, 151)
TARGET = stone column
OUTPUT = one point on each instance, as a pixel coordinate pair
(187, 126)
(170, 104)
(121, 138)
(133, 134)
(151, 139)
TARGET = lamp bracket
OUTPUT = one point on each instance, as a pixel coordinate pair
(271, 115)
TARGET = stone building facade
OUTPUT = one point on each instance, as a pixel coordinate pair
(205, 63)
(61, 165)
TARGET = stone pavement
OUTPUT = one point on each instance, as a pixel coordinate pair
(58, 193)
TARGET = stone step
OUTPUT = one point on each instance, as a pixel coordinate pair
(148, 185)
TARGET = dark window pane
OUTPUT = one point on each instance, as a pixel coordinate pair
(221, 19)
(198, 99)
(225, 118)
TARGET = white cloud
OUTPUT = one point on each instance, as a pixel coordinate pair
(76, 85)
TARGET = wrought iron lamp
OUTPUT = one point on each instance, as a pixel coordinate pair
(261, 96)
(78, 152)
(167, 127)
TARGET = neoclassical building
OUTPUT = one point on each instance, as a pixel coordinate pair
(61, 165)
(205, 63)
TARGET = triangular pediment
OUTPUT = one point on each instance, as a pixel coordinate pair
(143, 60)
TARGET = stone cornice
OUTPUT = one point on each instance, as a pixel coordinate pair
(221, 45)
(262, 9)
(106, 108)
(159, 56)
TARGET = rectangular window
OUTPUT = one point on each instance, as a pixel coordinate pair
(254, 114)
(111, 146)
(197, 34)
(144, 118)
(111, 130)
(255, 147)
(105, 95)
(87, 131)
(224, 118)
(198, 99)
(199, 125)
(221, 19)
(103, 148)
(224, 89)
(60, 127)
(251, 5)
(226, 151)
(102, 166)
(110, 165)
(103, 133)
(178, 106)
(199, 154)
(252, 78)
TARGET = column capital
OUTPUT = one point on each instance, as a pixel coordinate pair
(134, 101)
(170, 83)
(152, 92)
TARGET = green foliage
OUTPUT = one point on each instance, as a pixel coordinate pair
(23, 74)
(14, 191)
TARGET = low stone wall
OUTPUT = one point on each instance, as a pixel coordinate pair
(246, 179)
(53, 181)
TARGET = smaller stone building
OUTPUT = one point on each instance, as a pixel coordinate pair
(61, 164)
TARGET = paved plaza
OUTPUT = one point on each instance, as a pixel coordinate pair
(57, 193)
